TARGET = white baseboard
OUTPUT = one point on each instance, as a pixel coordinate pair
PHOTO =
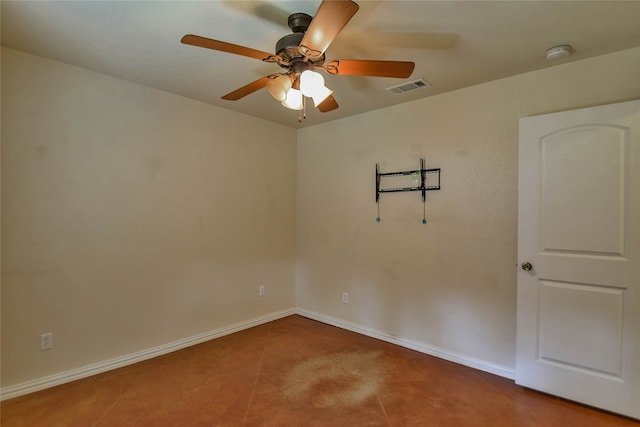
(500, 370)
(129, 359)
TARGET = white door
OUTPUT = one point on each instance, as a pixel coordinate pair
(578, 332)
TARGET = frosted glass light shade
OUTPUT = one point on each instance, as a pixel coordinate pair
(279, 87)
(309, 82)
(320, 95)
(293, 100)
(312, 85)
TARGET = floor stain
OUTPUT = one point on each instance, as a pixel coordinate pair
(339, 379)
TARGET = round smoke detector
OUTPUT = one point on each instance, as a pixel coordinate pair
(561, 51)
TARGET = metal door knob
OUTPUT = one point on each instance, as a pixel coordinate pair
(526, 266)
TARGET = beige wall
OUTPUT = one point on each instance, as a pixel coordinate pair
(127, 222)
(450, 284)
(132, 217)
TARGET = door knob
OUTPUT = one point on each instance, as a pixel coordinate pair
(526, 266)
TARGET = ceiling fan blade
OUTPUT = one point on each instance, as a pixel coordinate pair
(330, 19)
(224, 47)
(247, 90)
(328, 104)
(361, 67)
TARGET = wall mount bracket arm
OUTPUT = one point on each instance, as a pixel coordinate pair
(423, 187)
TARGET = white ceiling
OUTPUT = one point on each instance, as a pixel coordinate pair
(453, 43)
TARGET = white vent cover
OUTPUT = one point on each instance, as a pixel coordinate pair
(408, 87)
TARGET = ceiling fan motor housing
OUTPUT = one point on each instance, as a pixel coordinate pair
(288, 43)
(288, 47)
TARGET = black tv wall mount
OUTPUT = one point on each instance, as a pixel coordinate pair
(423, 187)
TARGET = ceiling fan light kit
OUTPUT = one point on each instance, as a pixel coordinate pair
(279, 87)
(320, 95)
(302, 54)
(312, 86)
(294, 100)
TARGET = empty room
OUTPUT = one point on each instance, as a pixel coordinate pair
(320, 213)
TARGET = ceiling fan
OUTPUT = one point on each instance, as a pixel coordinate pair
(301, 54)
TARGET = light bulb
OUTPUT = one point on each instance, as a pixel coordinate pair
(279, 87)
(293, 100)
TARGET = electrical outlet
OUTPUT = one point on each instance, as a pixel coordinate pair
(261, 290)
(46, 341)
(345, 298)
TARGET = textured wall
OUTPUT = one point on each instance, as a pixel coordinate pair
(451, 283)
(132, 217)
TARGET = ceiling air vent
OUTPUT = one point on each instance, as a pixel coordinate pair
(408, 87)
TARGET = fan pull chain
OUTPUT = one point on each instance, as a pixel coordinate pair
(303, 112)
(378, 217)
